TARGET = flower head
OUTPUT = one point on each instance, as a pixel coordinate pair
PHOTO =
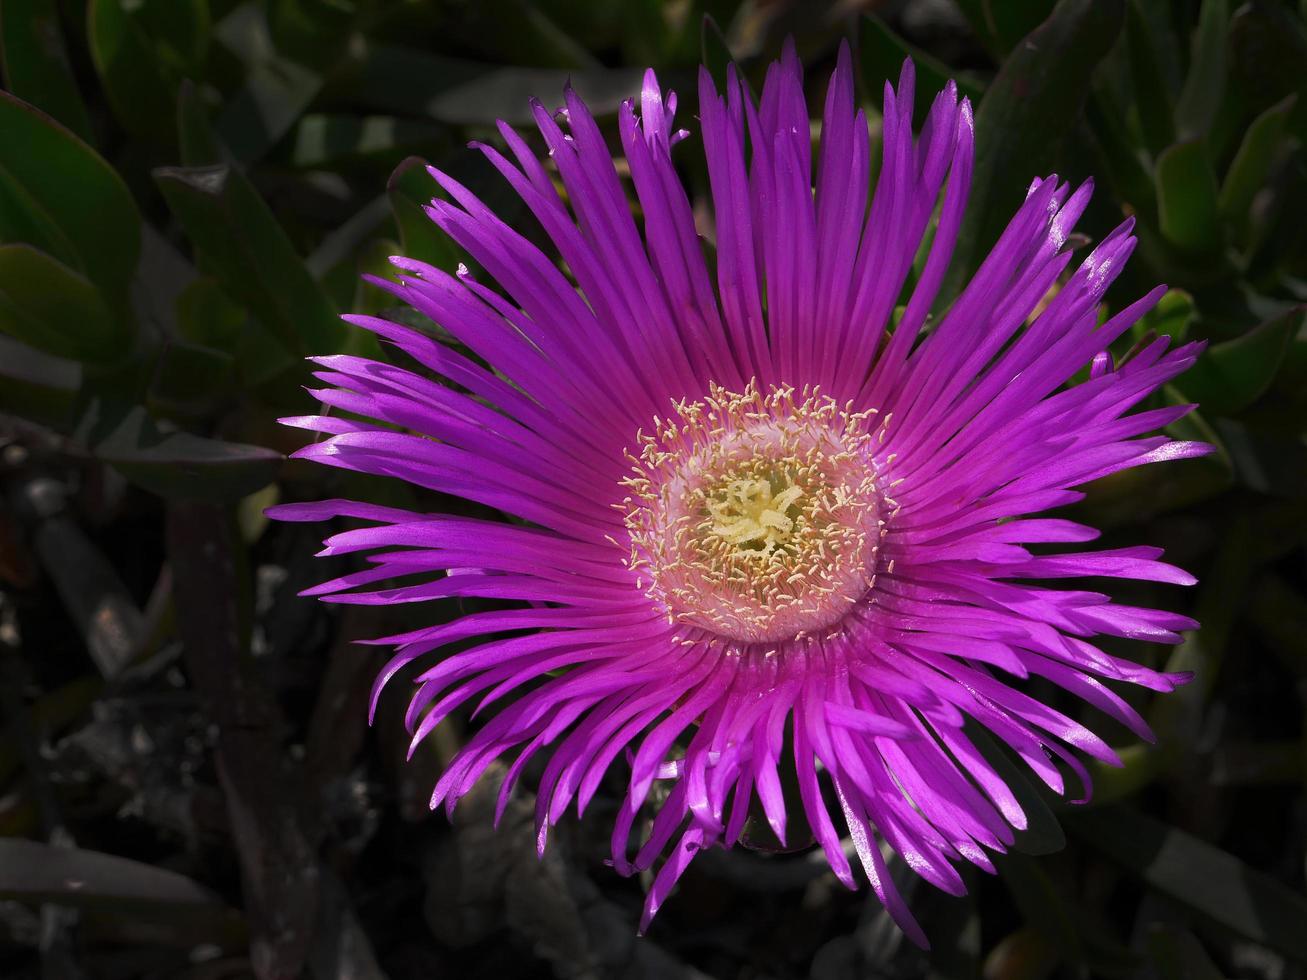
(757, 519)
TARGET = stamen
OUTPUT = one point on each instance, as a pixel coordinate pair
(755, 516)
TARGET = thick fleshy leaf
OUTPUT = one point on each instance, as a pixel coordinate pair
(1267, 47)
(77, 194)
(715, 52)
(138, 89)
(207, 316)
(310, 31)
(182, 465)
(36, 65)
(1200, 479)
(1042, 834)
(1232, 375)
(248, 250)
(1252, 164)
(1000, 25)
(542, 36)
(1041, 905)
(881, 53)
(1200, 876)
(1137, 494)
(1156, 115)
(36, 385)
(410, 189)
(1205, 84)
(1266, 461)
(23, 219)
(372, 259)
(1171, 317)
(343, 245)
(179, 32)
(1178, 955)
(1119, 160)
(1030, 106)
(34, 872)
(402, 80)
(196, 141)
(276, 92)
(322, 140)
(190, 379)
(47, 305)
(1186, 199)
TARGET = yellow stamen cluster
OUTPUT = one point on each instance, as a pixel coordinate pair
(755, 516)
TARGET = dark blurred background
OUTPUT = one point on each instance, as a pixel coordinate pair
(189, 192)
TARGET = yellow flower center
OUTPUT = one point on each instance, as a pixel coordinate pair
(755, 516)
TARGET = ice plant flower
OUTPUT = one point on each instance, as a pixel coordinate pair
(756, 519)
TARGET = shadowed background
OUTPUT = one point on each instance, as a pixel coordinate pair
(189, 193)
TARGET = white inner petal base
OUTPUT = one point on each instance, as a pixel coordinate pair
(756, 515)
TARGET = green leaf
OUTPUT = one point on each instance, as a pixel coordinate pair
(48, 306)
(1267, 47)
(190, 379)
(369, 299)
(23, 219)
(178, 32)
(1140, 765)
(1258, 762)
(36, 65)
(1043, 833)
(1178, 955)
(77, 194)
(196, 140)
(313, 32)
(207, 316)
(34, 872)
(1252, 163)
(1001, 24)
(880, 55)
(37, 386)
(404, 81)
(654, 33)
(138, 90)
(250, 254)
(251, 512)
(1041, 905)
(1278, 612)
(276, 92)
(539, 39)
(1151, 96)
(410, 189)
(715, 51)
(1186, 199)
(1266, 461)
(1030, 106)
(1232, 375)
(1119, 159)
(142, 50)
(322, 140)
(182, 465)
(1199, 876)
(345, 243)
(1141, 492)
(1205, 84)
(1171, 317)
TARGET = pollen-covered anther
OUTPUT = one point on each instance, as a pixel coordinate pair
(755, 515)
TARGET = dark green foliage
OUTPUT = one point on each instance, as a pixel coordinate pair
(189, 193)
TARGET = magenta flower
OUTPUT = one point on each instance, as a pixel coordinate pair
(756, 518)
